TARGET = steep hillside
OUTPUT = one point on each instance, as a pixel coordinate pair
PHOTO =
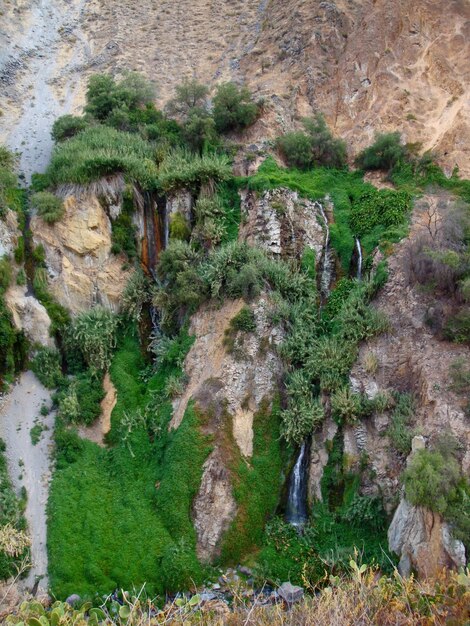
(368, 65)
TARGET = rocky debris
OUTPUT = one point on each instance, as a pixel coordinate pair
(290, 593)
(102, 425)
(319, 457)
(214, 507)
(73, 599)
(82, 270)
(29, 315)
(423, 541)
(282, 223)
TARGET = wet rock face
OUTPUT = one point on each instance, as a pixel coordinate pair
(282, 223)
(82, 270)
(423, 541)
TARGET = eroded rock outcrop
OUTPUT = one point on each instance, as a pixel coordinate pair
(423, 541)
(29, 315)
(229, 386)
(9, 233)
(282, 223)
(82, 270)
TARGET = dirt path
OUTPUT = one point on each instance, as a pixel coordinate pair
(29, 464)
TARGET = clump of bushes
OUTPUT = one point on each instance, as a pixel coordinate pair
(48, 206)
(46, 364)
(373, 207)
(304, 412)
(233, 108)
(385, 153)
(68, 126)
(7, 177)
(94, 334)
(182, 169)
(317, 147)
(400, 432)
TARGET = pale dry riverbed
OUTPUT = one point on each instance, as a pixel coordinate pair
(30, 465)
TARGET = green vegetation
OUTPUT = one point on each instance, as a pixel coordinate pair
(181, 169)
(11, 516)
(93, 332)
(434, 479)
(399, 432)
(46, 364)
(315, 148)
(8, 181)
(257, 485)
(48, 206)
(68, 126)
(234, 109)
(35, 433)
(121, 516)
(385, 153)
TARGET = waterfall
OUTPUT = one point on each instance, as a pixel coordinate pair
(296, 513)
(327, 265)
(359, 259)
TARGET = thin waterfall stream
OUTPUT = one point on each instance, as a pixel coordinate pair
(359, 259)
(296, 510)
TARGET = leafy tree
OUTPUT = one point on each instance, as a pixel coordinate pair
(296, 149)
(190, 95)
(234, 108)
(385, 153)
(199, 130)
(104, 96)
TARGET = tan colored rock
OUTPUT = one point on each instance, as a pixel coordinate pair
(82, 269)
(423, 541)
(214, 506)
(9, 233)
(29, 315)
(97, 431)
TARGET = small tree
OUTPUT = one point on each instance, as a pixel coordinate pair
(234, 108)
(189, 95)
(384, 154)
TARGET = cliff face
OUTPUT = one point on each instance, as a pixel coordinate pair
(368, 65)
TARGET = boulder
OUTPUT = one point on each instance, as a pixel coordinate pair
(29, 315)
(73, 599)
(423, 541)
(290, 593)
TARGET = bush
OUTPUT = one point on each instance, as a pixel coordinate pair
(210, 228)
(399, 431)
(104, 96)
(46, 364)
(316, 148)
(373, 207)
(457, 327)
(304, 412)
(330, 360)
(19, 251)
(385, 153)
(346, 406)
(94, 333)
(244, 320)
(179, 228)
(48, 206)
(181, 169)
(135, 295)
(233, 108)
(68, 126)
(432, 480)
(189, 95)
(5, 273)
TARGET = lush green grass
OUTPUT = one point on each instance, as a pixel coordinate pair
(346, 189)
(100, 151)
(256, 486)
(115, 514)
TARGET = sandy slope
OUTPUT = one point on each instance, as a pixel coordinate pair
(29, 465)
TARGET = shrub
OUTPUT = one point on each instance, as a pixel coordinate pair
(46, 364)
(48, 206)
(209, 229)
(399, 431)
(199, 131)
(304, 412)
(385, 153)
(104, 96)
(7, 177)
(366, 511)
(135, 295)
(432, 480)
(330, 360)
(94, 333)
(296, 149)
(233, 108)
(374, 207)
(346, 406)
(189, 95)
(68, 126)
(457, 327)
(244, 320)
(315, 148)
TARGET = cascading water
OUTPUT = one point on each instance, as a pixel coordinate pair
(296, 512)
(359, 259)
(327, 261)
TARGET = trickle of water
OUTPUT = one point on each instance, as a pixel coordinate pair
(296, 513)
(359, 259)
